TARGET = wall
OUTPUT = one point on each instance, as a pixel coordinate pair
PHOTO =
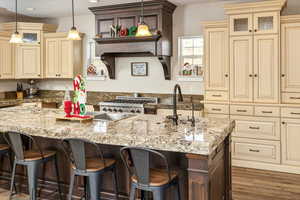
(187, 21)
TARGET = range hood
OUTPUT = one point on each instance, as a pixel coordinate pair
(158, 15)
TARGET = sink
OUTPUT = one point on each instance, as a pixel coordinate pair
(111, 116)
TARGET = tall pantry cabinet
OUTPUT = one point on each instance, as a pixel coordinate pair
(263, 96)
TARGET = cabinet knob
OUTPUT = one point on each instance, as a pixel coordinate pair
(226, 75)
(282, 75)
(255, 75)
(255, 30)
(250, 75)
(250, 31)
(39, 75)
(283, 123)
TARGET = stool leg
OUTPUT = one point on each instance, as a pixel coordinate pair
(115, 182)
(94, 186)
(158, 194)
(57, 176)
(178, 191)
(12, 179)
(132, 192)
(32, 171)
(72, 179)
(11, 167)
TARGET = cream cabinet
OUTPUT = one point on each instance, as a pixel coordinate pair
(290, 141)
(254, 69)
(6, 59)
(256, 23)
(28, 61)
(266, 69)
(63, 57)
(241, 69)
(216, 59)
(290, 66)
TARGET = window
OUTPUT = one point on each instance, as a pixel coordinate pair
(191, 51)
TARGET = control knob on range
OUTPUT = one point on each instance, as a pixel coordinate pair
(109, 110)
(138, 111)
(132, 111)
(104, 109)
(115, 110)
(120, 110)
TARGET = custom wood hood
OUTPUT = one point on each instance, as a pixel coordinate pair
(158, 16)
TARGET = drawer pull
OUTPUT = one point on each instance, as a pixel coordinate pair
(216, 95)
(241, 110)
(216, 109)
(254, 128)
(293, 113)
(267, 112)
(295, 98)
(254, 150)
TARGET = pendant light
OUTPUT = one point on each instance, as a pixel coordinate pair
(16, 37)
(73, 33)
(143, 28)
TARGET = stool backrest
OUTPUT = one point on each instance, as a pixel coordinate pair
(74, 149)
(16, 142)
(138, 160)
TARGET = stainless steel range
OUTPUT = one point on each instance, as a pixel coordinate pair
(127, 104)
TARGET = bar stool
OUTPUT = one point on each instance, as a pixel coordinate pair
(137, 161)
(5, 151)
(90, 168)
(30, 159)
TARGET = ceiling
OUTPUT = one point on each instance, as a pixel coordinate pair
(61, 8)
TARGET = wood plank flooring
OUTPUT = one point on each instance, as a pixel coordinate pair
(251, 184)
(248, 184)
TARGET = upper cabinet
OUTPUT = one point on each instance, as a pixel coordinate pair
(6, 59)
(216, 56)
(28, 59)
(290, 44)
(63, 57)
(257, 23)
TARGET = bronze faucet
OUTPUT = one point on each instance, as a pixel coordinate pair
(180, 99)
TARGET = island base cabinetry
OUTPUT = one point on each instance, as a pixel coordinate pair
(209, 177)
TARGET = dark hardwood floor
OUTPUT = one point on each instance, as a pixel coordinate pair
(250, 184)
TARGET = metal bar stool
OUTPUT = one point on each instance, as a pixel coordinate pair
(5, 151)
(30, 159)
(90, 168)
(137, 161)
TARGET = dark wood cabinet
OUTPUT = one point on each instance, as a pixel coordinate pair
(158, 15)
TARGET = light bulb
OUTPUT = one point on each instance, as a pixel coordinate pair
(16, 38)
(74, 34)
(143, 30)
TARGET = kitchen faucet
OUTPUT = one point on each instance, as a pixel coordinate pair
(180, 99)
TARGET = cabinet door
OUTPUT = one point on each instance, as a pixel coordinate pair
(290, 141)
(266, 22)
(241, 69)
(66, 59)
(290, 66)
(52, 58)
(266, 69)
(6, 55)
(241, 24)
(28, 61)
(216, 59)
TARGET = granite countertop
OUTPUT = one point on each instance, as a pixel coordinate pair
(161, 135)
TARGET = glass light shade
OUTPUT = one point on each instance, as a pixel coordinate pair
(16, 38)
(74, 34)
(143, 30)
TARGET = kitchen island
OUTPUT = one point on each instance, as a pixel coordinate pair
(202, 156)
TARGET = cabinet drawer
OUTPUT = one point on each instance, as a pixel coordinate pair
(241, 110)
(216, 108)
(290, 97)
(257, 127)
(256, 150)
(216, 96)
(290, 112)
(267, 111)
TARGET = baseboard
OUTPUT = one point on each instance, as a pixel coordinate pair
(266, 166)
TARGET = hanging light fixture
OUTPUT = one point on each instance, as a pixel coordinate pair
(16, 37)
(73, 33)
(143, 28)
